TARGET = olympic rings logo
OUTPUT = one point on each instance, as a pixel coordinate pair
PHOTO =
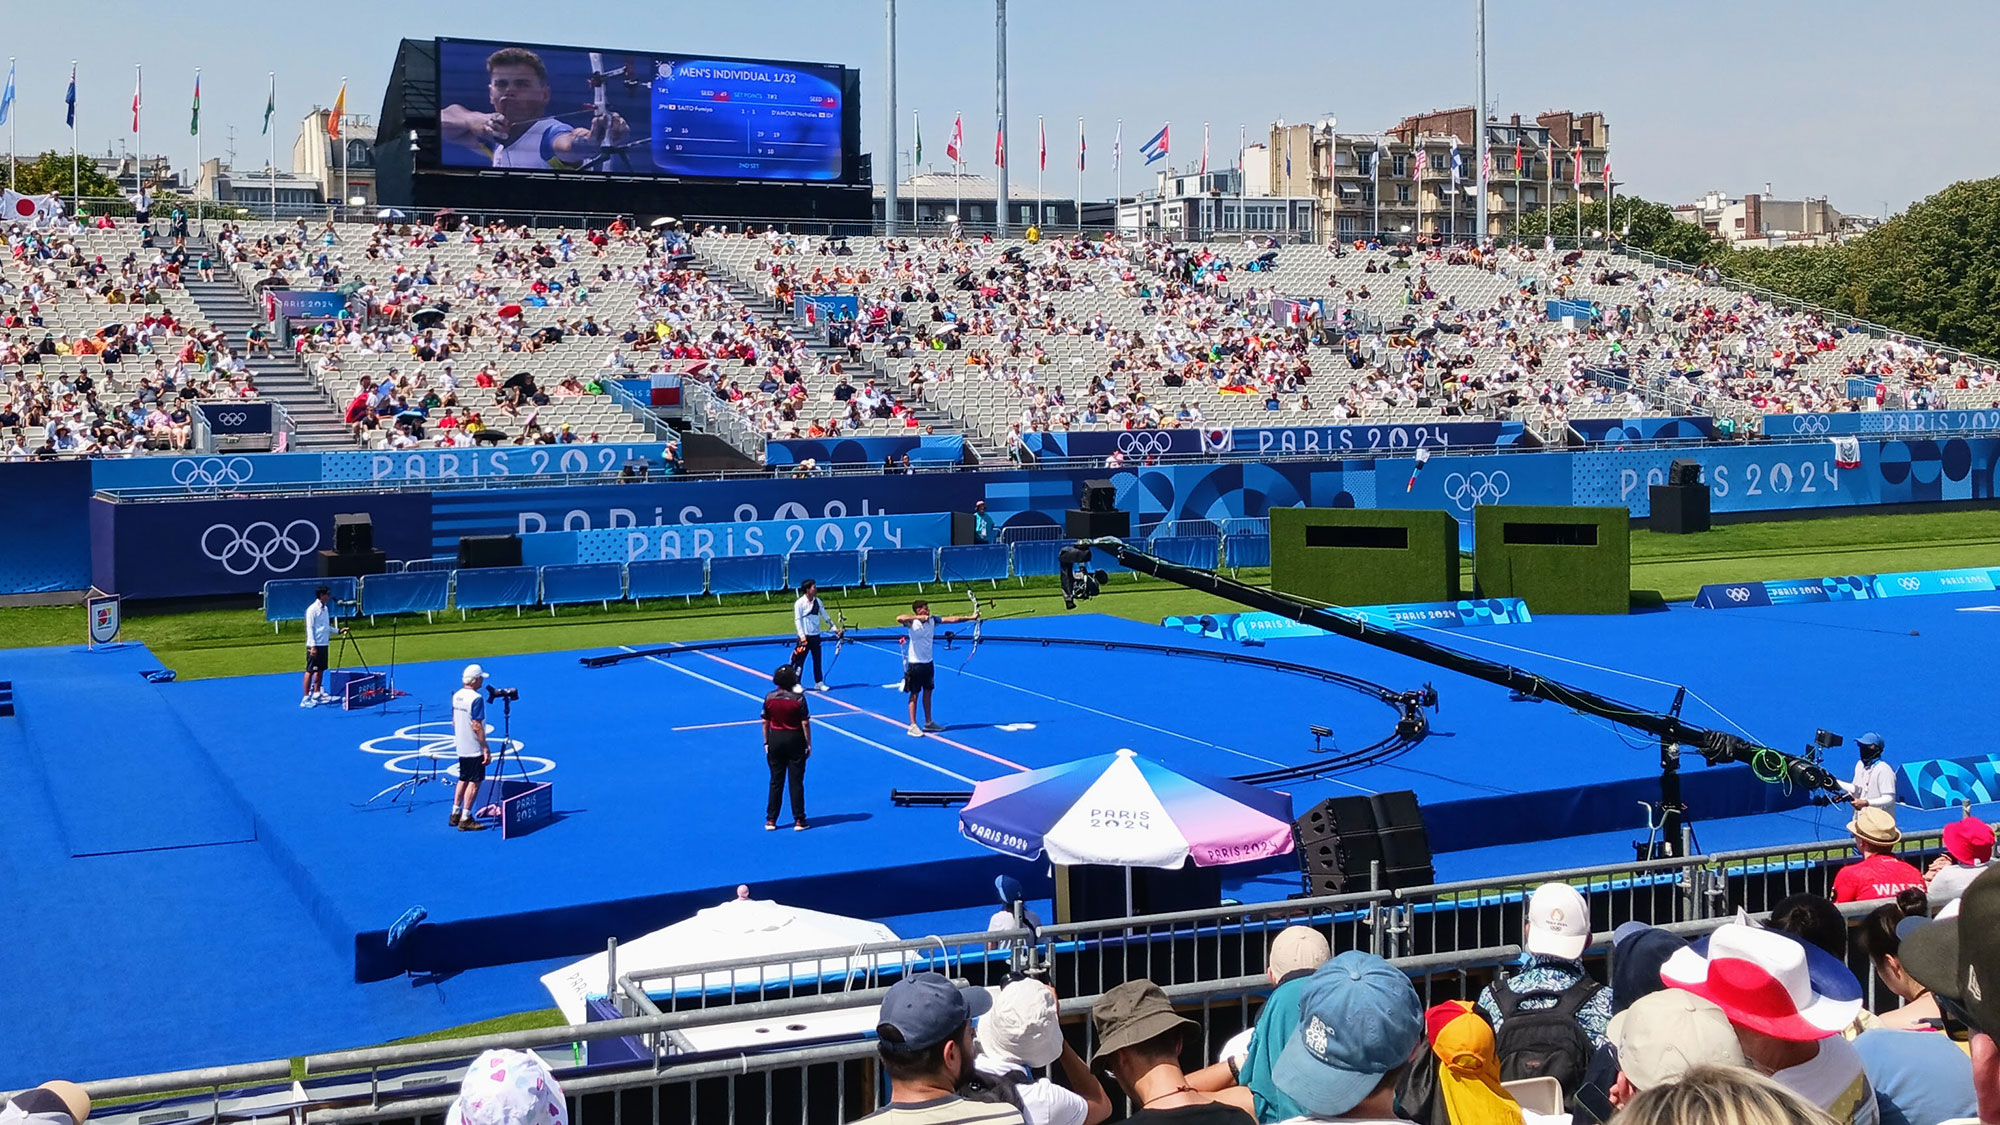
(433, 742)
(1469, 489)
(209, 474)
(260, 544)
(1811, 424)
(1910, 584)
(232, 418)
(1144, 443)
(1739, 593)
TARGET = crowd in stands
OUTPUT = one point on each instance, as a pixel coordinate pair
(102, 353)
(1756, 1022)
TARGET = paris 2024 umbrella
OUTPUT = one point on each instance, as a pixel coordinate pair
(1127, 811)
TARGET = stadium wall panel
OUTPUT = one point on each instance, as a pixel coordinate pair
(1348, 556)
(1558, 560)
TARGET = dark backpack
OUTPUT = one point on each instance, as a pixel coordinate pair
(1544, 1041)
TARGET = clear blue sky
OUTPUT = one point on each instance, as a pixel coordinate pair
(1860, 101)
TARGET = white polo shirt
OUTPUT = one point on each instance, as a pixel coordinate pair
(319, 624)
(1874, 783)
(468, 722)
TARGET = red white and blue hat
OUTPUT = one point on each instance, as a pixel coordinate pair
(1768, 981)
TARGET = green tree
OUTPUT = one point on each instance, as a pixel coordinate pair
(1638, 223)
(49, 174)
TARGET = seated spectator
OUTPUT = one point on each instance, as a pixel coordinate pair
(1789, 1002)
(1957, 957)
(1721, 1095)
(1247, 1059)
(1665, 1035)
(924, 1040)
(1457, 1081)
(509, 1088)
(1879, 874)
(1920, 1073)
(1812, 919)
(1968, 848)
(1360, 1024)
(1637, 952)
(1139, 1040)
(1023, 1034)
(1879, 938)
(51, 1103)
(1566, 1011)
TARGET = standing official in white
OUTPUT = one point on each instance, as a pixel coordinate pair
(319, 634)
(809, 620)
(468, 736)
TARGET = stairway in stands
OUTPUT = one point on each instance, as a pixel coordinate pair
(280, 378)
(983, 448)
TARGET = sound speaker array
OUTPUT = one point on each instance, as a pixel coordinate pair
(488, 550)
(1341, 838)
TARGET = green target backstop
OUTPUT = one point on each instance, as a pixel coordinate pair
(1558, 560)
(1348, 556)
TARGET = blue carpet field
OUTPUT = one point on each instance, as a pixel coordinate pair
(197, 875)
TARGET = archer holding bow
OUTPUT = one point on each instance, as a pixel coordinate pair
(810, 621)
(919, 670)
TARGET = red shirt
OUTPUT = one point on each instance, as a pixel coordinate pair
(1877, 876)
(785, 710)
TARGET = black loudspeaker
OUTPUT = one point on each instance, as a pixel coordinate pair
(352, 564)
(353, 531)
(1080, 524)
(1098, 496)
(1341, 838)
(1684, 471)
(488, 550)
(1678, 509)
(1093, 892)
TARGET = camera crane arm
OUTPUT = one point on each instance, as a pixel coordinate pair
(1715, 746)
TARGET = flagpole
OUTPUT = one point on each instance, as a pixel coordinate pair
(1242, 142)
(1079, 175)
(198, 223)
(1517, 187)
(895, 171)
(271, 101)
(139, 138)
(342, 139)
(1549, 194)
(75, 167)
(1375, 170)
(1041, 166)
(1610, 189)
(13, 122)
(1118, 173)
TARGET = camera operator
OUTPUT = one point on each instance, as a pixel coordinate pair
(468, 736)
(1874, 784)
(319, 634)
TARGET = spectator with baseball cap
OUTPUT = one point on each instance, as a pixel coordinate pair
(1874, 784)
(1957, 957)
(1968, 848)
(1020, 1035)
(1360, 1023)
(1139, 1040)
(1558, 931)
(1248, 1058)
(51, 1103)
(924, 1039)
(1666, 1034)
(1879, 874)
(1789, 1002)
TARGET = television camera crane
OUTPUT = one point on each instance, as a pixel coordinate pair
(1674, 733)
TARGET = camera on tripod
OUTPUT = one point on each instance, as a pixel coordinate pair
(511, 695)
(1078, 580)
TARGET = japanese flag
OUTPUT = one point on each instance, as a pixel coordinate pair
(18, 208)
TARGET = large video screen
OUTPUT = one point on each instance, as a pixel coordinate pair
(572, 109)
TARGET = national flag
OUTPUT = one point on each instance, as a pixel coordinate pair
(1118, 146)
(1000, 148)
(1847, 452)
(339, 111)
(1081, 147)
(1042, 132)
(1156, 149)
(271, 103)
(1607, 173)
(138, 84)
(1218, 439)
(1517, 157)
(69, 99)
(1577, 172)
(1457, 165)
(194, 114)
(957, 138)
(1204, 150)
(1486, 168)
(7, 95)
(1288, 154)
(33, 209)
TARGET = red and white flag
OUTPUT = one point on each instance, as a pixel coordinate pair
(1578, 172)
(35, 209)
(1204, 149)
(957, 137)
(1847, 452)
(1000, 148)
(137, 84)
(1042, 130)
(1607, 173)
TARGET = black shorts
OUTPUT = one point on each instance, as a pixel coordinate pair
(472, 770)
(919, 677)
(315, 658)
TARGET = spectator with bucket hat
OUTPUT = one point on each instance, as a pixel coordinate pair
(1360, 1023)
(1139, 1040)
(1968, 848)
(1789, 1002)
(1879, 874)
(1023, 1034)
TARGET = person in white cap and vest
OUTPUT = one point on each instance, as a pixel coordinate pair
(468, 737)
(1874, 784)
(1022, 1034)
(1553, 982)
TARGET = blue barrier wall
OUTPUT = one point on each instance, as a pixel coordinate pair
(1882, 422)
(1614, 430)
(198, 547)
(207, 475)
(1254, 441)
(157, 549)
(921, 449)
